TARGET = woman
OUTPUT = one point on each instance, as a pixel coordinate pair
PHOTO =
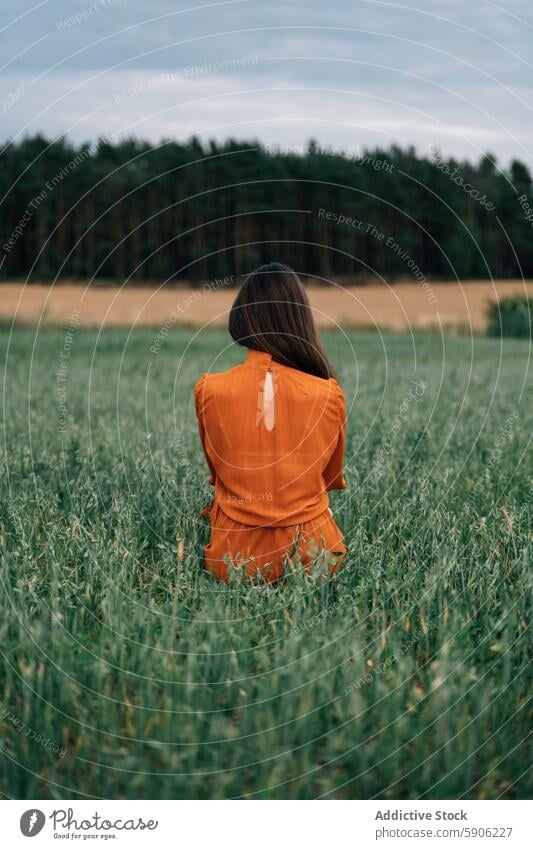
(272, 430)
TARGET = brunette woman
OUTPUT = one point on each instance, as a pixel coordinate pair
(273, 431)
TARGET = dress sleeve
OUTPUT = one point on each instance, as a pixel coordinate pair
(333, 476)
(199, 403)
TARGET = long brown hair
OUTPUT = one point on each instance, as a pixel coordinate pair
(271, 313)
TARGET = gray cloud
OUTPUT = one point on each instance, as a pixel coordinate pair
(349, 72)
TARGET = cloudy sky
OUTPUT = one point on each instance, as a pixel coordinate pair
(450, 74)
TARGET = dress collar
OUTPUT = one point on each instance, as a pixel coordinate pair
(258, 359)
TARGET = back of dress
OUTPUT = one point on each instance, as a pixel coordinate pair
(274, 440)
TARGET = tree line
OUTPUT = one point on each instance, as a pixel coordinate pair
(135, 212)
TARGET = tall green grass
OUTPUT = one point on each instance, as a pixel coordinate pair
(404, 677)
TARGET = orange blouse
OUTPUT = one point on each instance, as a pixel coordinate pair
(273, 438)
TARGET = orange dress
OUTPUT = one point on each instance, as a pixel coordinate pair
(273, 438)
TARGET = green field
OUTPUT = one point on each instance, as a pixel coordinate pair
(404, 677)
